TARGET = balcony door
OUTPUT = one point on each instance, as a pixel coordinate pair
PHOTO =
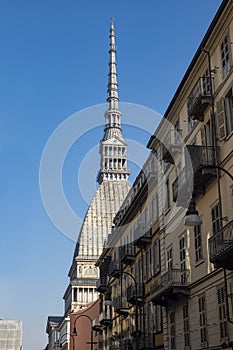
(183, 259)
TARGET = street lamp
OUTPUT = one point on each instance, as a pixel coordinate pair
(192, 217)
(137, 332)
(65, 334)
(74, 333)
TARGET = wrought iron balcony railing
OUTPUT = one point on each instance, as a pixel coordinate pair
(199, 99)
(102, 284)
(144, 342)
(120, 306)
(127, 253)
(169, 286)
(221, 247)
(105, 318)
(196, 174)
(114, 267)
(172, 145)
(143, 236)
(134, 297)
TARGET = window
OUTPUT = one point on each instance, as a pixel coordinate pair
(191, 123)
(155, 208)
(167, 196)
(186, 325)
(215, 216)
(224, 114)
(183, 259)
(158, 319)
(222, 313)
(206, 83)
(90, 271)
(148, 264)
(229, 112)
(156, 257)
(75, 294)
(169, 258)
(206, 134)
(198, 243)
(172, 329)
(177, 132)
(225, 56)
(203, 321)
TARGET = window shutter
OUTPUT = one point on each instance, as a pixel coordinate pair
(221, 119)
(203, 138)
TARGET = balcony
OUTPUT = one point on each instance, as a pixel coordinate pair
(105, 319)
(196, 175)
(172, 286)
(143, 237)
(120, 306)
(182, 188)
(102, 285)
(97, 327)
(199, 99)
(128, 254)
(172, 145)
(114, 268)
(131, 294)
(144, 342)
(125, 344)
(201, 157)
(221, 247)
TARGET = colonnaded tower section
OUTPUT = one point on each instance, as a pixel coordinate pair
(113, 188)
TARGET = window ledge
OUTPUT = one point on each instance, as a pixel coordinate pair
(229, 136)
(199, 262)
(167, 211)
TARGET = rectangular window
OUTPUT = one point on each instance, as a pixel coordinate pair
(158, 319)
(215, 216)
(167, 196)
(144, 267)
(229, 112)
(198, 243)
(191, 123)
(206, 83)
(172, 330)
(177, 133)
(203, 321)
(225, 56)
(148, 265)
(156, 257)
(183, 259)
(75, 294)
(186, 325)
(169, 258)
(222, 313)
(155, 208)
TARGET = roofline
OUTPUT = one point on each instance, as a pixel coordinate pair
(197, 54)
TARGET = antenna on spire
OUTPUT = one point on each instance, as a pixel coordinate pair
(112, 20)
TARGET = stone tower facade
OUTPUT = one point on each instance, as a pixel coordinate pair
(113, 188)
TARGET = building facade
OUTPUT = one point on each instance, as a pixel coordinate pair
(11, 335)
(183, 269)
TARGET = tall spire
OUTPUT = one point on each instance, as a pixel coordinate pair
(113, 148)
(112, 98)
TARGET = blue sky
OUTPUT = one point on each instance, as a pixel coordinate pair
(53, 63)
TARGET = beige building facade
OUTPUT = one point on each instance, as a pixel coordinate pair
(178, 258)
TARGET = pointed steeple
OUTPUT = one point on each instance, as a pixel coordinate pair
(106, 202)
(112, 98)
(113, 148)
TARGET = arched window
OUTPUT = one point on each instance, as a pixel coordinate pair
(91, 271)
